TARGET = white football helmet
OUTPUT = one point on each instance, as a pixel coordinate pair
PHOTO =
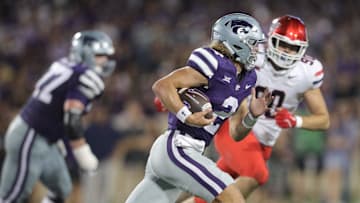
(287, 32)
(240, 33)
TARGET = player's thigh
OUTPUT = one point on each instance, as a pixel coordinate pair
(246, 158)
(55, 175)
(187, 169)
(230, 194)
(153, 190)
(25, 151)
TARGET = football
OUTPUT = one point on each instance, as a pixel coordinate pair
(195, 100)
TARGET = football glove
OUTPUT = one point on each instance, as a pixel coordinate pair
(286, 119)
(159, 105)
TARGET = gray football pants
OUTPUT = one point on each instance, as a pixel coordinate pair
(171, 169)
(30, 158)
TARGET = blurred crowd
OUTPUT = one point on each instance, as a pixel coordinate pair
(154, 37)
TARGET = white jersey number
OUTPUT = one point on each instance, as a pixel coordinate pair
(53, 78)
(230, 102)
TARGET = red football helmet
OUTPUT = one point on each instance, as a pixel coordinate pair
(287, 41)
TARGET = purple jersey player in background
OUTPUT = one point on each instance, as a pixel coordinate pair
(53, 113)
(224, 72)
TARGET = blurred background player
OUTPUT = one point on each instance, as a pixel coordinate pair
(53, 113)
(224, 72)
(291, 78)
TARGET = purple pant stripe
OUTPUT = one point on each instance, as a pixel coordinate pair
(185, 168)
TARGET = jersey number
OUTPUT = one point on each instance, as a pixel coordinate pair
(230, 102)
(278, 100)
(53, 78)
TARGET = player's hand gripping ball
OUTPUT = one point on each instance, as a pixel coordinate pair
(196, 100)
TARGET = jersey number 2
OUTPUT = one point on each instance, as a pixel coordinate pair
(230, 102)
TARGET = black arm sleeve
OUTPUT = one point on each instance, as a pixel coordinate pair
(73, 126)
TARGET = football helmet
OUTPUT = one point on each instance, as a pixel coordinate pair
(241, 34)
(287, 32)
(85, 45)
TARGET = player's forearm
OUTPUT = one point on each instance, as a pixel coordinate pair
(318, 119)
(241, 126)
(73, 110)
(168, 95)
(241, 122)
(239, 132)
(316, 122)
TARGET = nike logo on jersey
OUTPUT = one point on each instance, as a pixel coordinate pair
(247, 86)
(226, 79)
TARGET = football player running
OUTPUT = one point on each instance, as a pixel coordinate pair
(291, 78)
(224, 72)
(53, 113)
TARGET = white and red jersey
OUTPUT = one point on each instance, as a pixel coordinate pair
(288, 91)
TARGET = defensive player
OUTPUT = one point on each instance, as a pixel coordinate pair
(291, 77)
(224, 72)
(52, 113)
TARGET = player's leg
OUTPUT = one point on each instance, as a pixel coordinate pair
(153, 188)
(246, 185)
(224, 167)
(22, 165)
(195, 173)
(244, 160)
(56, 176)
(230, 194)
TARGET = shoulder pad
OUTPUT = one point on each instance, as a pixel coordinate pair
(204, 61)
(91, 84)
(314, 70)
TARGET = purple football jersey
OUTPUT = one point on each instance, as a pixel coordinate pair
(44, 109)
(225, 90)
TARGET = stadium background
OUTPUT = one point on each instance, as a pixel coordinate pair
(154, 37)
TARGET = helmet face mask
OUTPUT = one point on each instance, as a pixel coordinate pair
(86, 45)
(241, 34)
(287, 41)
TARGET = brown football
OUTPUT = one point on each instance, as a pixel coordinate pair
(195, 100)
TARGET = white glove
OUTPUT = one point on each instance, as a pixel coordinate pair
(85, 158)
